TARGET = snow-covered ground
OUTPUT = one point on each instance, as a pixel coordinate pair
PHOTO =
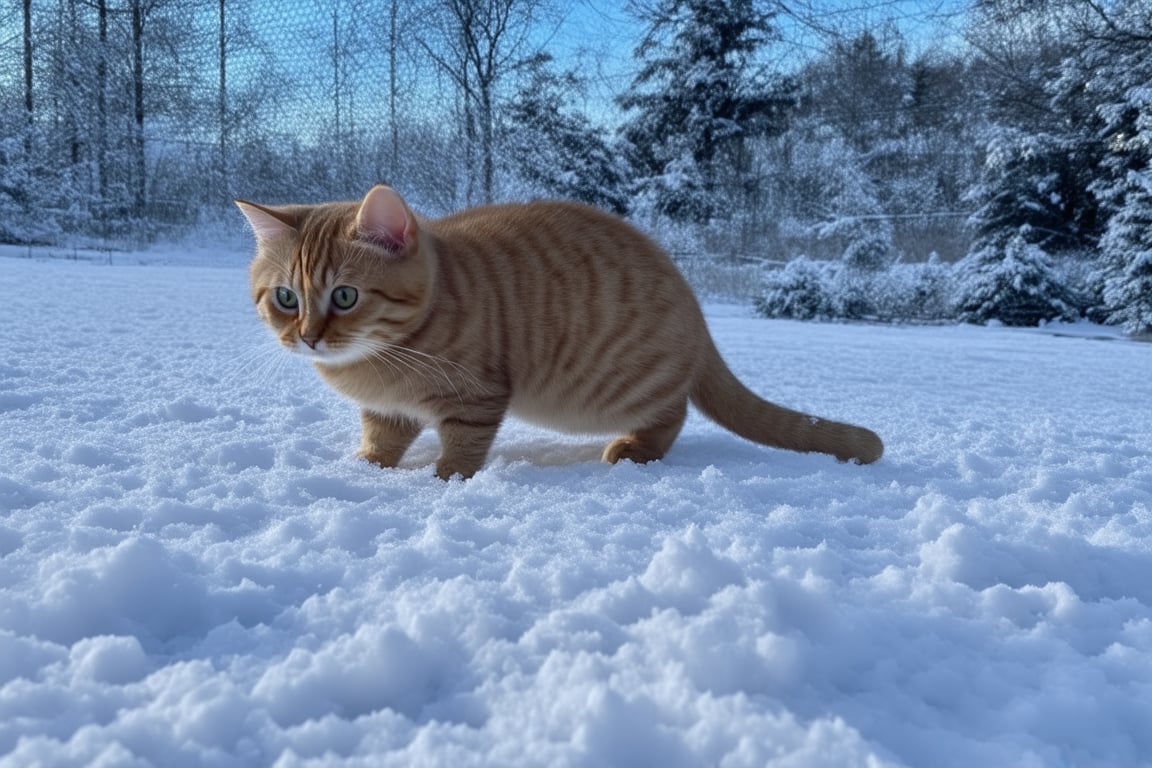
(196, 571)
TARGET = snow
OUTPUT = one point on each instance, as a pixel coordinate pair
(196, 571)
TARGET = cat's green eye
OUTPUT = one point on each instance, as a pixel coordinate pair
(344, 297)
(287, 299)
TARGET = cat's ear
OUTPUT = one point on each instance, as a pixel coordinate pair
(385, 220)
(267, 223)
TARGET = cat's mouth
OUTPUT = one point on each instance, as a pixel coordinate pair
(321, 351)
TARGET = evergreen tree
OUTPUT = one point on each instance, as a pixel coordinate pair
(864, 88)
(1113, 70)
(1044, 153)
(1011, 280)
(1110, 78)
(697, 97)
(1126, 251)
(1027, 181)
(558, 149)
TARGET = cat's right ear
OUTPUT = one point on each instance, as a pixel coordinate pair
(267, 223)
(385, 220)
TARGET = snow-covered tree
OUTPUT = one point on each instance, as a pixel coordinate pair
(853, 221)
(1012, 280)
(863, 88)
(1111, 78)
(559, 150)
(697, 97)
(1126, 251)
(1026, 182)
(1113, 72)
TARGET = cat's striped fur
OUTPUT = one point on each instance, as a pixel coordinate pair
(560, 313)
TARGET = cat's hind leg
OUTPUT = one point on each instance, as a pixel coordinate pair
(649, 443)
(385, 438)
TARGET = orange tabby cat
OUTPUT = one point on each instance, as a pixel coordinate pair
(557, 312)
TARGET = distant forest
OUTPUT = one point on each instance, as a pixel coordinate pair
(1016, 152)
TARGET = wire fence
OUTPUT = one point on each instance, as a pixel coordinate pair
(123, 120)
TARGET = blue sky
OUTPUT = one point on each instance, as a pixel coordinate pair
(596, 38)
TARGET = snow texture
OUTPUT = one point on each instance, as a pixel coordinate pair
(196, 571)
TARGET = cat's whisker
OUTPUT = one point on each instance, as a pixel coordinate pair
(258, 361)
(470, 379)
(394, 355)
(372, 354)
(437, 365)
(406, 362)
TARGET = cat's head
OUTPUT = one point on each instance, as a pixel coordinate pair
(337, 282)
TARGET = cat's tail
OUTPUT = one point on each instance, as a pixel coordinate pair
(724, 399)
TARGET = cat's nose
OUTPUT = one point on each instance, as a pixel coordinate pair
(310, 339)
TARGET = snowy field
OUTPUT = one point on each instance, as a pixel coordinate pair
(196, 571)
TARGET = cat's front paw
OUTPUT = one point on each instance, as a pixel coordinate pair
(382, 459)
(446, 469)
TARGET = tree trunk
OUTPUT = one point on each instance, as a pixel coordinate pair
(138, 105)
(487, 148)
(223, 104)
(75, 88)
(482, 41)
(336, 54)
(28, 75)
(393, 83)
(102, 99)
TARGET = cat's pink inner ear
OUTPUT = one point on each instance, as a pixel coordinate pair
(384, 219)
(267, 224)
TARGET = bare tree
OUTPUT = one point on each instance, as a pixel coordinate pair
(477, 43)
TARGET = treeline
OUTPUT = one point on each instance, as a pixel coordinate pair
(1061, 200)
(1022, 148)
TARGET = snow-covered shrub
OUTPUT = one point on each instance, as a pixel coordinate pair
(808, 290)
(861, 286)
(800, 290)
(1011, 280)
(916, 292)
(854, 293)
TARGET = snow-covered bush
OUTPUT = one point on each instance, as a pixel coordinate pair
(800, 290)
(854, 293)
(808, 290)
(1011, 280)
(916, 292)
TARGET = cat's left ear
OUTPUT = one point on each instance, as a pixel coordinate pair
(267, 223)
(384, 219)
